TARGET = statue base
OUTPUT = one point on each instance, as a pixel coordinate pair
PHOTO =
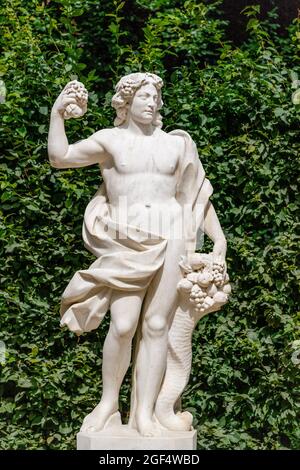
(125, 438)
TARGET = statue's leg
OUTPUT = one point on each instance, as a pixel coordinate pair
(160, 304)
(125, 310)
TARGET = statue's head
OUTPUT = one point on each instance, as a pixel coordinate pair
(138, 95)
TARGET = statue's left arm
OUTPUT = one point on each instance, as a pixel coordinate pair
(214, 231)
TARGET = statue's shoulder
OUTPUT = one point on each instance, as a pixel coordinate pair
(103, 134)
(173, 136)
(180, 136)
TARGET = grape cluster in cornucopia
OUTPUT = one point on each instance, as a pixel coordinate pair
(81, 95)
(206, 282)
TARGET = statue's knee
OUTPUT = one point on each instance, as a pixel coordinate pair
(155, 325)
(124, 329)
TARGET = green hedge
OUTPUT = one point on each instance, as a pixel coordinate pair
(236, 103)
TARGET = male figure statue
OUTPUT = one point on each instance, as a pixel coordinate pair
(149, 176)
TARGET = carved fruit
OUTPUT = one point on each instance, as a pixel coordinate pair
(196, 288)
(79, 109)
(220, 297)
(212, 290)
(209, 301)
(185, 285)
(204, 279)
(192, 277)
(196, 261)
(226, 289)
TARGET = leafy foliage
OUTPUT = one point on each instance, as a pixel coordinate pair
(236, 103)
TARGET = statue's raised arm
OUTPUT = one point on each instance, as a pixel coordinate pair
(71, 103)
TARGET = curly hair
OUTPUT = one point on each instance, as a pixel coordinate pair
(125, 90)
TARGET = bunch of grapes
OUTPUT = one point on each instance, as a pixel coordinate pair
(197, 296)
(81, 95)
(218, 268)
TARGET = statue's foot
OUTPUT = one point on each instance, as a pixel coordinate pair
(149, 428)
(97, 419)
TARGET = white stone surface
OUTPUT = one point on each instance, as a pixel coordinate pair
(142, 226)
(123, 440)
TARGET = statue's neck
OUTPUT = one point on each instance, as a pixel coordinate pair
(138, 128)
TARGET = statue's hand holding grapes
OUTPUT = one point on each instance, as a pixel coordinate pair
(72, 101)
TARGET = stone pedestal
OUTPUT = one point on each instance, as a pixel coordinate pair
(125, 438)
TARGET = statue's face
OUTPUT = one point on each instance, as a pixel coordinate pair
(144, 104)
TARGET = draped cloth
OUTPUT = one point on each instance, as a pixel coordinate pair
(127, 258)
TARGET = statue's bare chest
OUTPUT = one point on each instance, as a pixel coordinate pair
(144, 155)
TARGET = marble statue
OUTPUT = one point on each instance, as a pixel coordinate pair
(142, 225)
